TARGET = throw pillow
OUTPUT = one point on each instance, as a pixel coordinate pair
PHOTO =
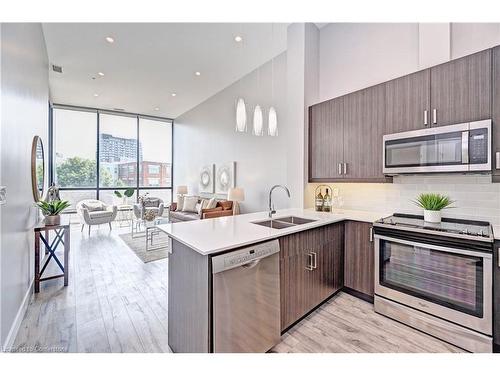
(212, 203)
(93, 206)
(202, 205)
(180, 202)
(190, 204)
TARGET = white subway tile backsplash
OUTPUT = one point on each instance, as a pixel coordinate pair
(475, 195)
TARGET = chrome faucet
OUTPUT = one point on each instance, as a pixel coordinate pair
(271, 205)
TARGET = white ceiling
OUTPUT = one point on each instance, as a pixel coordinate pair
(148, 62)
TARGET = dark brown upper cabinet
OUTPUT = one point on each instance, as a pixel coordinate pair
(364, 127)
(461, 90)
(496, 115)
(408, 102)
(326, 140)
(345, 133)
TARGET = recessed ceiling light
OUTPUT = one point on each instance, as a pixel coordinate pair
(238, 38)
(157, 109)
(96, 95)
(197, 73)
(174, 94)
(110, 39)
(101, 74)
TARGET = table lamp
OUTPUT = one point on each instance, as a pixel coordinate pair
(236, 195)
(182, 190)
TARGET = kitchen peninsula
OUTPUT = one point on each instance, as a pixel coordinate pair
(315, 262)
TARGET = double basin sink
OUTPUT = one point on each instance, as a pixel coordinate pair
(284, 222)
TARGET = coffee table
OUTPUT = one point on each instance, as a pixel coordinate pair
(149, 232)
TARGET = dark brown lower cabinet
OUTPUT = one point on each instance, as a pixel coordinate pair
(359, 259)
(310, 270)
(496, 297)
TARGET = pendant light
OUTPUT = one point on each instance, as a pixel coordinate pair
(258, 121)
(272, 121)
(241, 109)
(258, 126)
(241, 116)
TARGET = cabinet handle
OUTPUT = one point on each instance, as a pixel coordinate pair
(340, 168)
(371, 234)
(345, 168)
(426, 120)
(309, 266)
(315, 260)
(498, 257)
(434, 116)
(497, 160)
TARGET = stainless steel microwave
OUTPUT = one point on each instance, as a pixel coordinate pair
(454, 148)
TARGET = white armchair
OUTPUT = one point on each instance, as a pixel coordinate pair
(94, 212)
(151, 204)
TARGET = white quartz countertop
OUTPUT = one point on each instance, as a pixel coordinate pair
(215, 235)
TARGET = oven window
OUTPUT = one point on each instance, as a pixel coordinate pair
(438, 149)
(448, 279)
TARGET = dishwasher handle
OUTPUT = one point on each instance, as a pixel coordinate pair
(251, 264)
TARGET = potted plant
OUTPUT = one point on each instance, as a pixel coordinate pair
(126, 194)
(52, 211)
(433, 203)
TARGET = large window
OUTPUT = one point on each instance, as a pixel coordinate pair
(75, 148)
(156, 164)
(96, 152)
(117, 151)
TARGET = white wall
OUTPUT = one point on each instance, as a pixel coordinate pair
(24, 104)
(206, 134)
(467, 38)
(358, 55)
(354, 56)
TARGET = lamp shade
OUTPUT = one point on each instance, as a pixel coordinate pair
(236, 194)
(182, 189)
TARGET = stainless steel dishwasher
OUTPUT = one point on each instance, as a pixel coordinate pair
(246, 299)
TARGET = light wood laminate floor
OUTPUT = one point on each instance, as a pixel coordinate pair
(116, 303)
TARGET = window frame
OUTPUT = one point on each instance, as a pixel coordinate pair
(99, 111)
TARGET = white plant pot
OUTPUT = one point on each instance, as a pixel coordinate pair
(432, 216)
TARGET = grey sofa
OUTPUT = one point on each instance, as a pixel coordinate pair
(223, 208)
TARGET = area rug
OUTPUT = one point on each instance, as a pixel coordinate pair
(138, 246)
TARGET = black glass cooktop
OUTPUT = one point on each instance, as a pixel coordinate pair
(469, 228)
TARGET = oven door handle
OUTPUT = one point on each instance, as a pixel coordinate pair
(435, 247)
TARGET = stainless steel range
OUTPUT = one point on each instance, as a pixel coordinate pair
(436, 277)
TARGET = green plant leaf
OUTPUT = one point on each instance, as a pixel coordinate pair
(52, 208)
(129, 192)
(433, 201)
(118, 194)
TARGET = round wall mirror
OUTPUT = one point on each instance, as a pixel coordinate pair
(37, 168)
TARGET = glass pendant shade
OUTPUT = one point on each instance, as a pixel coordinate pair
(272, 123)
(257, 121)
(241, 116)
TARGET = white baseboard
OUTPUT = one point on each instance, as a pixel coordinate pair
(14, 329)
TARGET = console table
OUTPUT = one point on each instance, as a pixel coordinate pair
(62, 236)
